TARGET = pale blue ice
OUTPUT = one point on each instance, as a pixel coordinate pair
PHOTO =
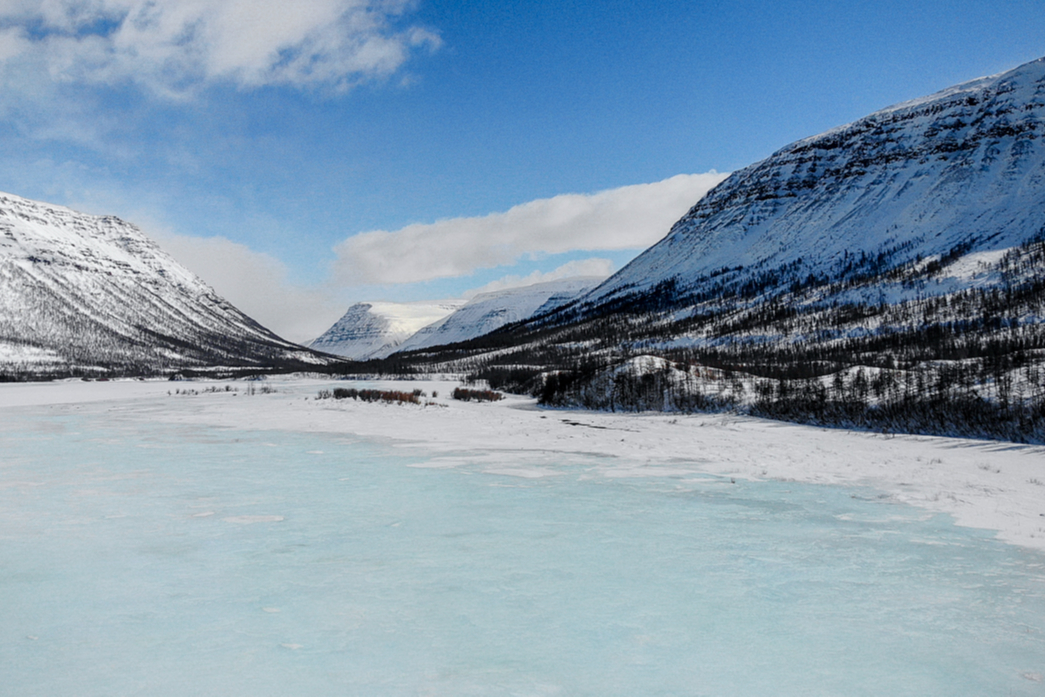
(188, 561)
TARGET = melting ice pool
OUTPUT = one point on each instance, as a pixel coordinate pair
(178, 561)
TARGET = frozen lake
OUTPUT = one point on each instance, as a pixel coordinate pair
(179, 559)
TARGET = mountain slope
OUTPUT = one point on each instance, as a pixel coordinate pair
(376, 329)
(84, 294)
(957, 173)
(489, 311)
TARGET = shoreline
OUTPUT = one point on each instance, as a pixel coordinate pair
(989, 485)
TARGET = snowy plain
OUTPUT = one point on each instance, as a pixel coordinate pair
(996, 486)
(177, 538)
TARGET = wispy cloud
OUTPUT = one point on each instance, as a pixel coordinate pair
(174, 46)
(630, 217)
(594, 268)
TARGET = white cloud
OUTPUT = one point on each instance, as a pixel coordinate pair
(594, 267)
(257, 284)
(175, 45)
(629, 217)
(12, 43)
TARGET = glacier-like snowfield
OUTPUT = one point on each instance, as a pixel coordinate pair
(150, 547)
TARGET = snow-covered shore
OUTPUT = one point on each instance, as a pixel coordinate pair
(990, 485)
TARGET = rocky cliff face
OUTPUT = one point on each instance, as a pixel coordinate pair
(83, 294)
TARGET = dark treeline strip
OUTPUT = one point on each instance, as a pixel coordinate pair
(933, 403)
(373, 395)
(466, 395)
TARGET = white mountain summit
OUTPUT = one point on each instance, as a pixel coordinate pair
(376, 329)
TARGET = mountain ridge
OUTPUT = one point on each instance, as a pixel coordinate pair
(92, 295)
(907, 170)
(490, 311)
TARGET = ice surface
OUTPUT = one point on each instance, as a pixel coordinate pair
(147, 554)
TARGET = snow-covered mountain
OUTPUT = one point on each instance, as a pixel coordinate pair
(888, 274)
(85, 294)
(489, 311)
(376, 329)
(955, 174)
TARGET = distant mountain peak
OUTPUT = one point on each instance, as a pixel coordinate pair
(370, 330)
(490, 311)
(376, 329)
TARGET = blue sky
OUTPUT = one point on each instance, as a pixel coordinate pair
(300, 156)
